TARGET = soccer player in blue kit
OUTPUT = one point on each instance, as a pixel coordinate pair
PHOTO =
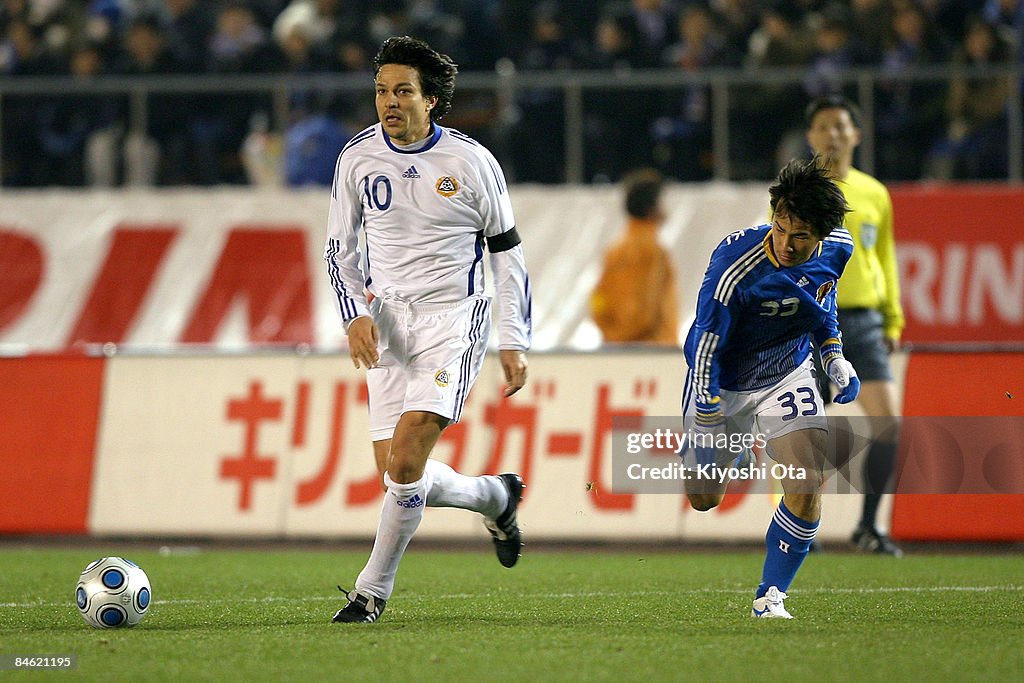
(767, 302)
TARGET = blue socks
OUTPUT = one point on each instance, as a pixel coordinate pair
(788, 540)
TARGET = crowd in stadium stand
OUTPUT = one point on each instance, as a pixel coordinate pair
(955, 129)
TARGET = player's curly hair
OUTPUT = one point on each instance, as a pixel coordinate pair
(805, 189)
(437, 71)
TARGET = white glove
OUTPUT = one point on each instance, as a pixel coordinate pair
(845, 377)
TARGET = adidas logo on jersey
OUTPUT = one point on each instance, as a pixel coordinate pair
(411, 173)
(803, 282)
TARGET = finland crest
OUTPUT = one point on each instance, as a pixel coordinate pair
(442, 378)
(446, 186)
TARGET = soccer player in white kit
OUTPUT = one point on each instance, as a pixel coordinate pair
(426, 200)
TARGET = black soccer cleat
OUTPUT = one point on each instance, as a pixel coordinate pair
(361, 607)
(508, 541)
(874, 541)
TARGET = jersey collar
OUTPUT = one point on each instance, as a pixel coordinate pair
(435, 135)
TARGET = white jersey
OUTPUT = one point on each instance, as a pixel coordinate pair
(426, 215)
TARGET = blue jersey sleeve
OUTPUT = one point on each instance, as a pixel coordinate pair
(707, 337)
(714, 320)
(827, 338)
(830, 329)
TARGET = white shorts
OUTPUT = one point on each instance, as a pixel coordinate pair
(792, 404)
(430, 356)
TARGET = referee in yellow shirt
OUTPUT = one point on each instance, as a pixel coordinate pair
(870, 315)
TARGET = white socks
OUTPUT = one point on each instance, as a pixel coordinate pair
(446, 488)
(399, 517)
(440, 486)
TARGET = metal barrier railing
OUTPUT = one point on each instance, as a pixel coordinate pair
(506, 86)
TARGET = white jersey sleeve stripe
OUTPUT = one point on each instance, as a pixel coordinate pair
(723, 291)
(703, 362)
(747, 268)
(498, 176)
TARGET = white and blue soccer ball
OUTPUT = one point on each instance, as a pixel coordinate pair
(112, 593)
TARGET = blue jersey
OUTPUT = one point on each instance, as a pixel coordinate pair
(756, 319)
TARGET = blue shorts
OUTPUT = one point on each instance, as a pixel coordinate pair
(864, 343)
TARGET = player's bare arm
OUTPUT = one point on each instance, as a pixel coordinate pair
(513, 364)
(362, 342)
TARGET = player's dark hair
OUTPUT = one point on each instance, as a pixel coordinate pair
(806, 190)
(643, 190)
(437, 71)
(832, 102)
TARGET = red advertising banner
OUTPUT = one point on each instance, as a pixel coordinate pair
(962, 384)
(961, 258)
(48, 425)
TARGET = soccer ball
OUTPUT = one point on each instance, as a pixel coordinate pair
(113, 592)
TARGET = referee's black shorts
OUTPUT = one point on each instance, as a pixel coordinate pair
(863, 346)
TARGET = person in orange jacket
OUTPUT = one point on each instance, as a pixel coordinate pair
(635, 300)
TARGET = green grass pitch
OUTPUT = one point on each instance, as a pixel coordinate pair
(625, 615)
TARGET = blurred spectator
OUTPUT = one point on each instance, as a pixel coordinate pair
(301, 58)
(483, 42)
(315, 18)
(950, 17)
(21, 54)
(615, 121)
(764, 112)
(682, 140)
(80, 132)
(909, 114)
(157, 154)
(656, 22)
(189, 24)
(239, 46)
(102, 26)
(974, 146)
(262, 153)
(635, 301)
(314, 137)
(424, 19)
(780, 40)
(333, 29)
(1008, 17)
(538, 148)
(869, 21)
(311, 149)
(834, 53)
(616, 40)
(736, 21)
